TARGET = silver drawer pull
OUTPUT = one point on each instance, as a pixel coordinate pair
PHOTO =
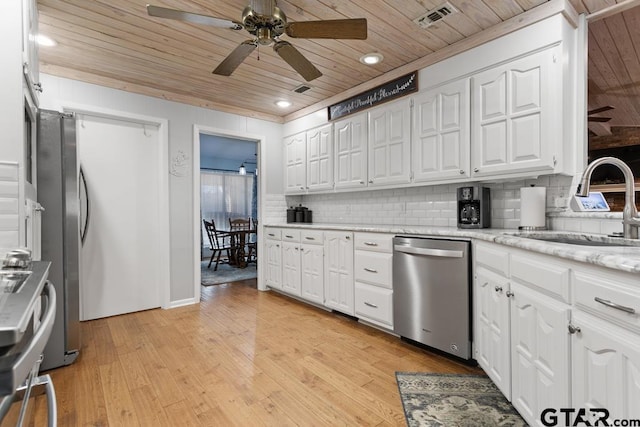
(371, 243)
(370, 270)
(272, 235)
(614, 305)
(370, 305)
(310, 238)
(288, 236)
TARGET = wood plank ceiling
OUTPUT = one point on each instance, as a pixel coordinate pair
(115, 43)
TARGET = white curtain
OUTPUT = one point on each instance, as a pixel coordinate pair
(224, 195)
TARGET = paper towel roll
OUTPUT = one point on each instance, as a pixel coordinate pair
(533, 207)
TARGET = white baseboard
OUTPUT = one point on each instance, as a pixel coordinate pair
(183, 302)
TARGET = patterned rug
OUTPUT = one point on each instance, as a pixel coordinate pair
(225, 273)
(449, 400)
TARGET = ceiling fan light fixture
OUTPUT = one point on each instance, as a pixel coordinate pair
(371, 58)
(283, 103)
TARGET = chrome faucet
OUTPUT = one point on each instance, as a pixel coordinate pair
(630, 218)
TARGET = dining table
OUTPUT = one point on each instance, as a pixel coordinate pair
(239, 241)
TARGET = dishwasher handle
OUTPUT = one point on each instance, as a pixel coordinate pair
(429, 252)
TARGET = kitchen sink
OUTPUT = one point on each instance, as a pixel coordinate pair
(578, 239)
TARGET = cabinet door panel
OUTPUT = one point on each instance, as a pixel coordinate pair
(606, 367)
(295, 163)
(492, 346)
(339, 284)
(320, 158)
(312, 274)
(350, 137)
(515, 110)
(274, 264)
(540, 352)
(389, 142)
(291, 268)
(441, 141)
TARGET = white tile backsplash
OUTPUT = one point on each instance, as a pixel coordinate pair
(436, 206)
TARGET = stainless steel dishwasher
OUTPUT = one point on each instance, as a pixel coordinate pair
(432, 293)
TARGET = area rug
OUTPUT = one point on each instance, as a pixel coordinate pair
(449, 400)
(225, 273)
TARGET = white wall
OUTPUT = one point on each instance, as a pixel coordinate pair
(59, 93)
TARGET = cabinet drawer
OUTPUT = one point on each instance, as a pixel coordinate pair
(290, 235)
(311, 237)
(375, 303)
(374, 268)
(492, 257)
(541, 273)
(608, 297)
(374, 242)
(273, 233)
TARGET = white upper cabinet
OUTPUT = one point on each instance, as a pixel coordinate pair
(441, 133)
(389, 143)
(320, 158)
(350, 138)
(309, 160)
(515, 110)
(296, 163)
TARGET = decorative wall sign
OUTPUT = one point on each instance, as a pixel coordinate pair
(179, 164)
(383, 93)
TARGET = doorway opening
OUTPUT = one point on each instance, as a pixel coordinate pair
(229, 192)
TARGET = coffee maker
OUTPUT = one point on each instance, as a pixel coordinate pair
(474, 207)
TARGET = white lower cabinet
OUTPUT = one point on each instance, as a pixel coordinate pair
(373, 259)
(338, 272)
(522, 341)
(291, 268)
(273, 252)
(577, 357)
(312, 272)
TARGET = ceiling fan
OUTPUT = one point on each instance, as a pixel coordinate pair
(590, 118)
(266, 22)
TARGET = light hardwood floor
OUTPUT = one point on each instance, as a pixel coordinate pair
(242, 357)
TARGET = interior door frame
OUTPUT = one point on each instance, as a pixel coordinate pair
(225, 133)
(164, 248)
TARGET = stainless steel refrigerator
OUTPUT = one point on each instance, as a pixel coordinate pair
(58, 188)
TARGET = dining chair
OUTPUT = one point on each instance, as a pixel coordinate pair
(250, 246)
(239, 224)
(219, 242)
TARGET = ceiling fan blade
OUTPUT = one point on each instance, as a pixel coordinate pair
(329, 29)
(298, 62)
(194, 18)
(235, 58)
(600, 110)
(598, 119)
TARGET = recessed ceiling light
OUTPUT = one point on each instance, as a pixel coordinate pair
(283, 104)
(371, 58)
(45, 41)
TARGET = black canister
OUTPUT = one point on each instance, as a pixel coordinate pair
(291, 214)
(299, 216)
(307, 215)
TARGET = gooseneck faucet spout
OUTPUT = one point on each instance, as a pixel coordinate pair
(630, 218)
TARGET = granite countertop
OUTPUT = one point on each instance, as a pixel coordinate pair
(623, 258)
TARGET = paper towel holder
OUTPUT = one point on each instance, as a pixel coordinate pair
(532, 227)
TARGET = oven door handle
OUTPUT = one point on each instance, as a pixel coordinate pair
(34, 349)
(428, 252)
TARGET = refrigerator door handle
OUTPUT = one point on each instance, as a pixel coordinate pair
(84, 191)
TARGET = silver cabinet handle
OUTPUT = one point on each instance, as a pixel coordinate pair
(509, 294)
(302, 188)
(362, 182)
(476, 170)
(429, 252)
(574, 329)
(370, 270)
(272, 235)
(614, 305)
(288, 236)
(370, 304)
(370, 181)
(310, 238)
(277, 246)
(498, 288)
(347, 237)
(461, 172)
(370, 243)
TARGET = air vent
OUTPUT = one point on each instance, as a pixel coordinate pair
(434, 15)
(302, 88)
